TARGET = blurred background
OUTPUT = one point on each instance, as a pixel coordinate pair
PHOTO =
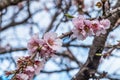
(19, 22)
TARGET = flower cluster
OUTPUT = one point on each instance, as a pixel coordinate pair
(46, 47)
(84, 27)
(40, 50)
(26, 68)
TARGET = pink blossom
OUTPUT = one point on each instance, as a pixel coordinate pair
(46, 46)
(105, 23)
(38, 66)
(78, 22)
(29, 69)
(52, 40)
(99, 27)
(101, 30)
(22, 76)
(35, 43)
(84, 28)
(78, 29)
(95, 26)
(88, 27)
(79, 33)
(46, 51)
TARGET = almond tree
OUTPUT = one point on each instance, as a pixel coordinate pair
(75, 35)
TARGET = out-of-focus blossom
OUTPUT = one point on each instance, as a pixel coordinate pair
(20, 5)
(22, 76)
(52, 40)
(99, 4)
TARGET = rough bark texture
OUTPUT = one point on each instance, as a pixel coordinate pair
(5, 3)
(91, 65)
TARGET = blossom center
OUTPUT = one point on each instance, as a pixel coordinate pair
(86, 28)
(80, 30)
(95, 26)
(51, 42)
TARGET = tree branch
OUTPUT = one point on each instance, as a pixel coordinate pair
(89, 68)
(5, 3)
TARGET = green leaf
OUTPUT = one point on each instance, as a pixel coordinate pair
(98, 54)
(69, 16)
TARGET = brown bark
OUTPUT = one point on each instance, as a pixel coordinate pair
(5, 3)
(89, 68)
